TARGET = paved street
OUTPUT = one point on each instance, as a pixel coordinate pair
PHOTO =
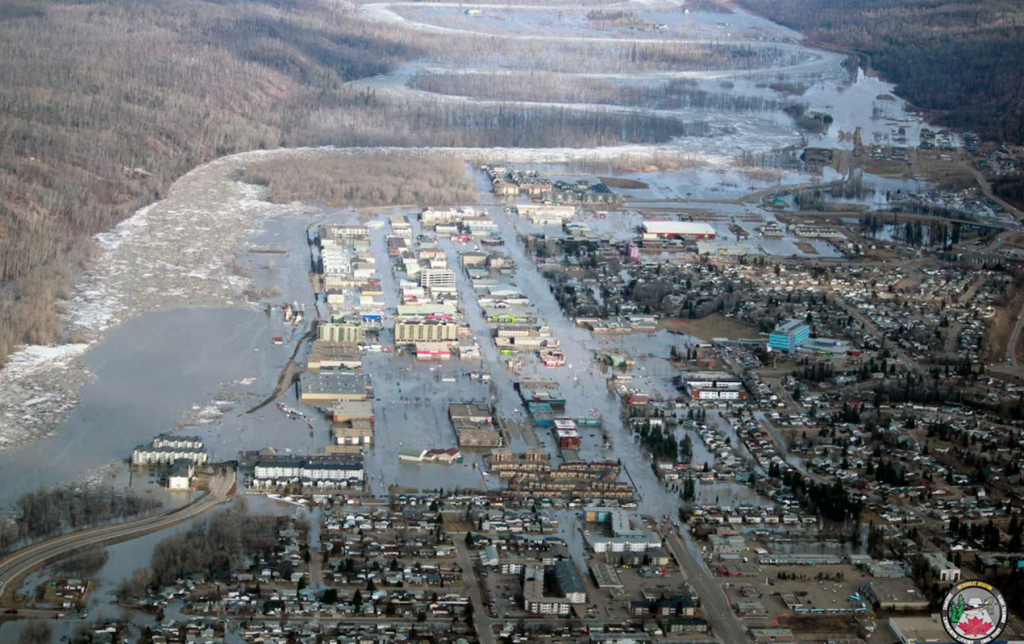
(15, 566)
(481, 618)
(727, 627)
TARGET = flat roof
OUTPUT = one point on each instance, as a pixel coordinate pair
(335, 382)
(335, 351)
(353, 408)
(679, 228)
(319, 461)
(711, 375)
(897, 589)
(918, 629)
(605, 575)
(464, 410)
(427, 309)
(789, 326)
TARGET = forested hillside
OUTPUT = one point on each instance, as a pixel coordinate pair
(104, 103)
(90, 89)
(961, 58)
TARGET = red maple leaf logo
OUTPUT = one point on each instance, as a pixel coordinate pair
(975, 627)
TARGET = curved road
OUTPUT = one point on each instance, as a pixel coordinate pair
(15, 566)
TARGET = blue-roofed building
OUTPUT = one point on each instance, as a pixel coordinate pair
(788, 335)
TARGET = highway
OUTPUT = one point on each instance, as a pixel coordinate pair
(15, 566)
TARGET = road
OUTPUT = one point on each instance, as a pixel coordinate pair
(879, 335)
(16, 565)
(1011, 348)
(481, 616)
(726, 625)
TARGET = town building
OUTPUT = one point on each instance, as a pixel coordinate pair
(319, 471)
(677, 625)
(335, 355)
(166, 449)
(664, 606)
(569, 582)
(534, 599)
(348, 332)
(329, 386)
(353, 433)
(941, 567)
(443, 456)
(413, 331)
(433, 278)
(473, 424)
(353, 422)
(344, 231)
(181, 474)
(678, 230)
(604, 575)
(479, 226)
(440, 351)
(767, 635)
(788, 335)
(476, 413)
(567, 434)
(799, 560)
(918, 630)
(727, 545)
(895, 595)
(546, 215)
(714, 385)
(430, 217)
(620, 536)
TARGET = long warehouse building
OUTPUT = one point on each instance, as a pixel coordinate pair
(678, 229)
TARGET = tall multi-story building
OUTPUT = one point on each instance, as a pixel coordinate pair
(534, 599)
(348, 332)
(788, 335)
(437, 278)
(425, 331)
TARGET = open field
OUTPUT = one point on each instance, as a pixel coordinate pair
(1000, 329)
(715, 325)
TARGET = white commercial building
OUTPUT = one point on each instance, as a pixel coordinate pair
(313, 469)
(166, 449)
(437, 278)
(679, 229)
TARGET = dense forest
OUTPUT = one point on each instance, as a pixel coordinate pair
(51, 512)
(958, 58)
(365, 180)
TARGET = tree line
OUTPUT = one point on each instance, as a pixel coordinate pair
(365, 180)
(950, 58)
(545, 87)
(48, 513)
(215, 548)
